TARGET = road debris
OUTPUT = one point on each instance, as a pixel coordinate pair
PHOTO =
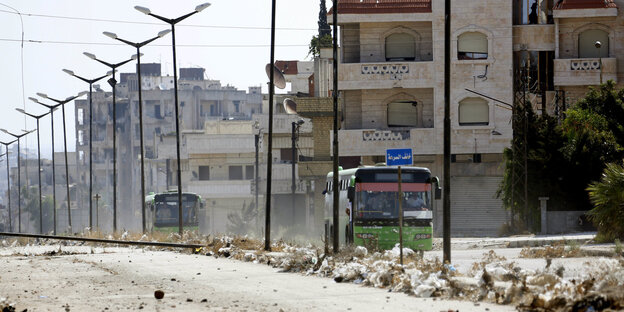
(159, 294)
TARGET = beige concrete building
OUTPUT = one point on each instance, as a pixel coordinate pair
(200, 100)
(391, 79)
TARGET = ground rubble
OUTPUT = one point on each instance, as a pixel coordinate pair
(492, 279)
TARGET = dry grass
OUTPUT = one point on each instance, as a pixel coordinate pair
(560, 250)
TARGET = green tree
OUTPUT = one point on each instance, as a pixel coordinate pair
(545, 166)
(607, 196)
(323, 27)
(323, 39)
(563, 159)
(242, 222)
(593, 137)
(30, 197)
(316, 44)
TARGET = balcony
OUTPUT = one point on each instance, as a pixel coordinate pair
(534, 37)
(284, 186)
(220, 144)
(584, 71)
(221, 188)
(580, 12)
(357, 76)
(371, 142)
(282, 124)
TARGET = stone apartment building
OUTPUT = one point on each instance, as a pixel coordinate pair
(218, 148)
(391, 79)
(201, 100)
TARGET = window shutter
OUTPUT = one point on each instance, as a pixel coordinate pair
(400, 46)
(587, 41)
(472, 42)
(473, 111)
(402, 114)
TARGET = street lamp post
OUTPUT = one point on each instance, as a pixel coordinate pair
(293, 186)
(90, 82)
(62, 104)
(37, 117)
(6, 146)
(97, 211)
(172, 22)
(52, 109)
(598, 45)
(257, 178)
(113, 83)
(138, 46)
(19, 177)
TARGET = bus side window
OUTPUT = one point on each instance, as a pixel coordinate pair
(351, 193)
(437, 191)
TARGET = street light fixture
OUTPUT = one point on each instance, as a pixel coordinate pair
(37, 117)
(172, 22)
(90, 82)
(112, 82)
(6, 146)
(257, 176)
(62, 104)
(19, 177)
(138, 46)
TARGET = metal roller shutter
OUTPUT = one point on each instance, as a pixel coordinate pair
(475, 210)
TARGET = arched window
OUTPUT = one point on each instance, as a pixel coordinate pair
(587, 44)
(473, 111)
(472, 46)
(400, 47)
(402, 114)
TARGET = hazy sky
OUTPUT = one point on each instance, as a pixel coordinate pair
(230, 39)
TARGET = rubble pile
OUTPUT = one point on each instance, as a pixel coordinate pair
(492, 279)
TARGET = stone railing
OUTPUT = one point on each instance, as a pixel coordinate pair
(356, 76)
(585, 64)
(584, 71)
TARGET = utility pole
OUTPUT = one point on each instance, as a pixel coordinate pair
(267, 206)
(446, 222)
(336, 185)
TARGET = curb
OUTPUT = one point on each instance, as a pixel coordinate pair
(545, 242)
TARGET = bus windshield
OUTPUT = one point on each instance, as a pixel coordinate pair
(378, 204)
(166, 209)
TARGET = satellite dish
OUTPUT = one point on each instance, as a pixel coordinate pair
(278, 77)
(290, 106)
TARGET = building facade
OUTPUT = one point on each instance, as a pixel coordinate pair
(391, 79)
(200, 100)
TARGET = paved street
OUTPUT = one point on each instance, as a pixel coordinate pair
(116, 279)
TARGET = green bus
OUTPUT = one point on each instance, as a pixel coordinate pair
(162, 211)
(369, 206)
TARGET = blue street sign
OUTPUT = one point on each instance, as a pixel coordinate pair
(399, 156)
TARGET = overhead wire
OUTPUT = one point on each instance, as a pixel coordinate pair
(155, 23)
(22, 73)
(152, 45)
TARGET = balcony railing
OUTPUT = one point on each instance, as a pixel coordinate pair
(221, 188)
(371, 142)
(355, 76)
(584, 71)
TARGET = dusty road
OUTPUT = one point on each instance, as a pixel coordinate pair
(124, 279)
